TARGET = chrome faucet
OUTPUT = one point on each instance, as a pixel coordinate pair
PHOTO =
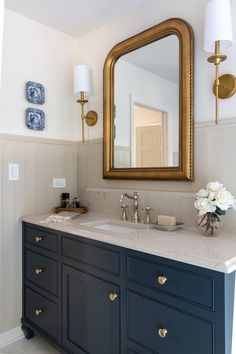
(135, 217)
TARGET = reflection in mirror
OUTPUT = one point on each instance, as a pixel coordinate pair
(146, 99)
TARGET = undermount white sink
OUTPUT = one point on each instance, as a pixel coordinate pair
(113, 226)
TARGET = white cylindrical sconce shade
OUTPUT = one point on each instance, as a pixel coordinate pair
(218, 25)
(82, 80)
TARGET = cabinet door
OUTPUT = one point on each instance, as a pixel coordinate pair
(90, 314)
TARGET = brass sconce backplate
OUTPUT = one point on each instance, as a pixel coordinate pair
(227, 86)
(91, 118)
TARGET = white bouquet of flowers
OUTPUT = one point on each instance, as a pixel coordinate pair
(212, 202)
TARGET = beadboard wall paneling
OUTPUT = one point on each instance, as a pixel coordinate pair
(40, 160)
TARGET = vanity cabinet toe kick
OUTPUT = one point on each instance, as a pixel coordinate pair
(90, 297)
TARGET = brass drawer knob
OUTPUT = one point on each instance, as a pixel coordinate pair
(38, 238)
(38, 312)
(38, 271)
(161, 279)
(162, 332)
(113, 296)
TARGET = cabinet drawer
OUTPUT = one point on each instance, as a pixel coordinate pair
(42, 312)
(43, 239)
(165, 330)
(42, 271)
(99, 257)
(189, 286)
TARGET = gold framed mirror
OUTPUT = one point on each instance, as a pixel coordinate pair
(148, 105)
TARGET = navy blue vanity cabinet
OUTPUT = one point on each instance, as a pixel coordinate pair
(89, 297)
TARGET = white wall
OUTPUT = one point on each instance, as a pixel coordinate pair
(34, 52)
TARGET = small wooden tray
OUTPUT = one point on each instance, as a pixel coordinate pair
(81, 210)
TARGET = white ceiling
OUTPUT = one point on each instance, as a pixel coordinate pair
(73, 17)
(160, 58)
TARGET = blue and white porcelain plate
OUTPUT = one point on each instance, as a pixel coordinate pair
(35, 93)
(35, 119)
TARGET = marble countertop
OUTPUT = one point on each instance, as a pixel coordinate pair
(185, 245)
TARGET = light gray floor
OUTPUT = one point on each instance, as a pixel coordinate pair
(35, 345)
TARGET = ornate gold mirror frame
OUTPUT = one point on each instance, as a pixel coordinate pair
(184, 171)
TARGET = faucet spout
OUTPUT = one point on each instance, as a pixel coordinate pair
(125, 195)
(135, 217)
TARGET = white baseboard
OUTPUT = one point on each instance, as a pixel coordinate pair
(11, 336)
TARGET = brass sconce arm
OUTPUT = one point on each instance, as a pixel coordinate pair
(216, 59)
(82, 102)
(90, 118)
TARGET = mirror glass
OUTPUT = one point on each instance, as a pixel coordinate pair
(146, 106)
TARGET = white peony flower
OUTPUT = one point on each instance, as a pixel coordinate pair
(211, 196)
(204, 206)
(203, 193)
(213, 199)
(214, 186)
(224, 199)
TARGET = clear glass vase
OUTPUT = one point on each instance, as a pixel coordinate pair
(210, 224)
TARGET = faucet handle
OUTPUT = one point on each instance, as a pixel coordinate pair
(124, 216)
(147, 219)
(122, 197)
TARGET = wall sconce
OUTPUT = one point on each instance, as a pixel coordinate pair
(218, 37)
(82, 88)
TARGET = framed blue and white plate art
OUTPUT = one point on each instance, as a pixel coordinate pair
(35, 93)
(35, 119)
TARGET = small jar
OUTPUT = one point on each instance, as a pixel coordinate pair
(64, 198)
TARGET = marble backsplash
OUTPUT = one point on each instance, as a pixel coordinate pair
(179, 204)
(107, 201)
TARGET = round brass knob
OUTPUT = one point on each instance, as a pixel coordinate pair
(38, 238)
(38, 271)
(161, 279)
(162, 332)
(38, 312)
(113, 296)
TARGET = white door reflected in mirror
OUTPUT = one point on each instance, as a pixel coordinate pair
(148, 141)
